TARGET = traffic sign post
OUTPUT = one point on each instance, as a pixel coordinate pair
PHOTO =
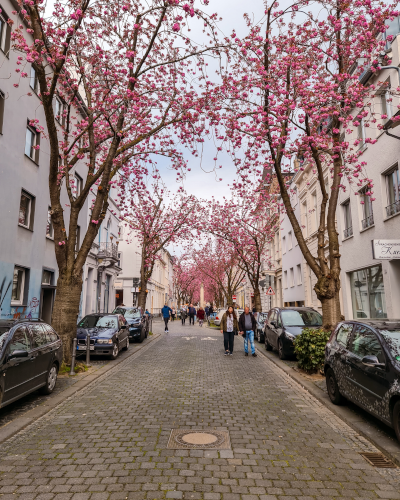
(234, 298)
(270, 291)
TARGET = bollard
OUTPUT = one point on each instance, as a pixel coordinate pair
(88, 350)
(72, 372)
(151, 325)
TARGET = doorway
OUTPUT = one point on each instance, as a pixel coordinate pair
(119, 297)
(47, 304)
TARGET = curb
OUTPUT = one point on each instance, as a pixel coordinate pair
(19, 423)
(384, 443)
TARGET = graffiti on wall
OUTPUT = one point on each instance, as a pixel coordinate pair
(25, 312)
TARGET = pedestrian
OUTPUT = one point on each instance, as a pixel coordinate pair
(166, 313)
(210, 310)
(200, 315)
(183, 314)
(206, 310)
(147, 312)
(247, 327)
(192, 314)
(229, 325)
(254, 310)
(173, 313)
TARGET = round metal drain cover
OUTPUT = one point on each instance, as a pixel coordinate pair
(200, 439)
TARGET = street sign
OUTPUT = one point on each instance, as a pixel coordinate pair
(386, 249)
(270, 291)
(233, 297)
(252, 294)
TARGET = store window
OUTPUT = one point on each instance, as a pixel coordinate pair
(368, 293)
(393, 191)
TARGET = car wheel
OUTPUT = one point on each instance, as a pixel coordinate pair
(142, 337)
(396, 419)
(51, 380)
(115, 351)
(127, 344)
(333, 388)
(281, 354)
(268, 346)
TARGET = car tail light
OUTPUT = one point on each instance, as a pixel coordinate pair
(216, 317)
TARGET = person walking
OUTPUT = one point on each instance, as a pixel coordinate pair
(166, 313)
(183, 315)
(206, 310)
(229, 325)
(201, 314)
(173, 312)
(247, 327)
(192, 314)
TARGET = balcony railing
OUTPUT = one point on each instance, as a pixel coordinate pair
(367, 222)
(108, 250)
(392, 209)
(348, 232)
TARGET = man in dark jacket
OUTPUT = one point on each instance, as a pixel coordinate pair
(166, 313)
(247, 327)
(192, 314)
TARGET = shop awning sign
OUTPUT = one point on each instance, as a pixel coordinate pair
(386, 249)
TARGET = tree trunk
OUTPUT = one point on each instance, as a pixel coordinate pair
(66, 310)
(257, 299)
(327, 290)
(142, 296)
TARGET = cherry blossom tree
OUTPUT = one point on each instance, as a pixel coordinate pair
(123, 73)
(295, 91)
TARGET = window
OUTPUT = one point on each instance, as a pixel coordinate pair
(360, 133)
(34, 82)
(291, 277)
(20, 340)
(315, 210)
(386, 107)
(119, 259)
(365, 343)
(290, 240)
(393, 29)
(39, 335)
(50, 333)
(47, 277)
(393, 191)
(78, 237)
(367, 211)
(368, 293)
(305, 218)
(2, 100)
(32, 142)
(26, 210)
(5, 32)
(285, 279)
(18, 287)
(284, 244)
(299, 275)
(59, 110)
(343, 335)
(49, 225)
(348, 226)
(78, 183)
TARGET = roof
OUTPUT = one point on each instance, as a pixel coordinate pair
(389, 324)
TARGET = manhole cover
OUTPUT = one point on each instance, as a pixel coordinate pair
(379, 460)
(193, 439)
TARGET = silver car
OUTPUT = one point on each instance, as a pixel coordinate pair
(218, 317)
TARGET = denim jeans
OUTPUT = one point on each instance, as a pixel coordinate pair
(249, 337)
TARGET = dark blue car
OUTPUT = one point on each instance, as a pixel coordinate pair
(108, 334)
(138, 323)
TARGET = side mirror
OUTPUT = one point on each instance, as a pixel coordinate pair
(123, 327)
(18, 354)
(372, 361)
(273, 323)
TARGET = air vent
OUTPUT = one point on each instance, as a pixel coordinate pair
(378, 460)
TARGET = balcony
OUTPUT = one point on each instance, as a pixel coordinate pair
(107, 251)
(367, 222)
(348, 232)
(393, 209)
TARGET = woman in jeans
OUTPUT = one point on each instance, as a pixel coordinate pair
(229, 325)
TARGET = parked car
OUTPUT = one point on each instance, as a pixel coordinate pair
(260, 319)
(218, 316)
(30, 357)
(362, 364)
(139, 323)
(108, 334)
(211, 317)
(284, 324)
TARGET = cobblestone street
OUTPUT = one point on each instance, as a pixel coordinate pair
(109, 441)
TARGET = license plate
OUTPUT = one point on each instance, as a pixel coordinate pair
(83, 348)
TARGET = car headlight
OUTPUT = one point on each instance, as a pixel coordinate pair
(104, 341)
(289, 336)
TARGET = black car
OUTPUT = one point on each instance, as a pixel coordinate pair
(362, 364)
(138, 323)
(260, 319)
(30, 357)
(284, 324)
(108, 334)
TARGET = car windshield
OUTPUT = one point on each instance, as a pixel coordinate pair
(261, 318)
(301, 318)
(128, 313)
(99, 322)
(392, 338)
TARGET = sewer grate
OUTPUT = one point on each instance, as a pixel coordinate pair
(379, 460)
(181, 439)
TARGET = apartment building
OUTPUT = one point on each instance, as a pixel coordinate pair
(370, 225)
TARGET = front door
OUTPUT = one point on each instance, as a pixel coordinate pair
(370, 383)
(17, 371)
(47, 304)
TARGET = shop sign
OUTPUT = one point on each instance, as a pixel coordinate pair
(117, 284)
(386, 249)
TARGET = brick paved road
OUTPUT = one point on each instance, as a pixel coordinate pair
(110, 440)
